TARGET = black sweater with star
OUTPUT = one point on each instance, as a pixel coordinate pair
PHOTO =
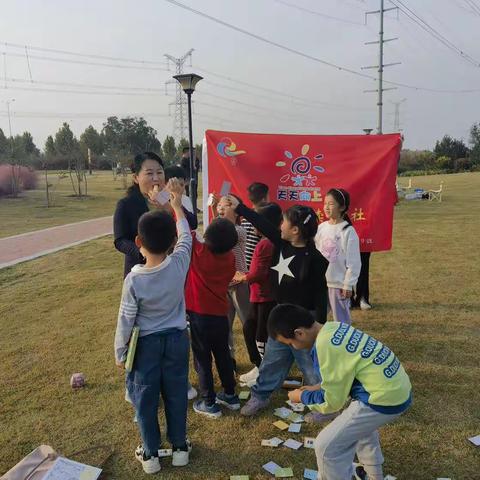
(308, 286)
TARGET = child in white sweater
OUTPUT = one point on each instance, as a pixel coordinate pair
(337, 241)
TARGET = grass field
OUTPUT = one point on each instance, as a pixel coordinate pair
(58, 315)
(28, 211)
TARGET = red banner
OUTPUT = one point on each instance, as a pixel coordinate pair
(300, 169)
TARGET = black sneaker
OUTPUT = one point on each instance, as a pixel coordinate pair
(149, 464)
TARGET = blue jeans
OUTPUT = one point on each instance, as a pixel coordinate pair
(276, 363)
(160, 368)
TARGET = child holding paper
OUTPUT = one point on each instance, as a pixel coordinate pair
(153, 300)
(353, 364)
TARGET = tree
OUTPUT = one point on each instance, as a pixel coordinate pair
(67, 146)
(91, 140)
(183, 143)
(49, 155)
(4, 147)
(445, 163)
(475, 143)
(450, 147)
(169, 150)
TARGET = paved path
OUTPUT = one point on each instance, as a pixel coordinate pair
(28, 246)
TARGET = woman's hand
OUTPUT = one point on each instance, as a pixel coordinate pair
(346, 293)
(240, 277)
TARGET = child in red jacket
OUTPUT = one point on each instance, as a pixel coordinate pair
(261, 298)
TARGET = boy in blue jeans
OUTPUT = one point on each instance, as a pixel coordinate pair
(153, 300)
(353, 364)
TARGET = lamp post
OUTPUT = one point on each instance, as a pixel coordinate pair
(188, 81)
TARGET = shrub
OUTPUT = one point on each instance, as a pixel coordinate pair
(27, 179)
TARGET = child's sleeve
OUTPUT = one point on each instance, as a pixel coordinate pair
(337, 380)
(261, 263)
(182, 251)
(321, 290)
(127, 314)
(260, 223)
(353, 262)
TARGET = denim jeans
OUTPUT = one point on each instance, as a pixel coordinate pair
(276, 364)
(160, 368)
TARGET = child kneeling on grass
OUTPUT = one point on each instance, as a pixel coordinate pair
(353, 364)
(153, 300)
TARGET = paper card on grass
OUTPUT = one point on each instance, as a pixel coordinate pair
(295, 427)
(284, 473)
(295, 418)
(63, 468)
(165, 452)
(308, 442)
(239, 477)
(310, 474)
(444, 478)
(271, 467)
(282, 412)
(389, 477)
(226, 187)
(296, 407)
(272, 442)
(293, 444)
(281, 425)
(163, 197)
(244, 394)
(475, 440)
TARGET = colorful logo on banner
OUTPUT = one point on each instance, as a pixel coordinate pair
(301, 183)
(227, 149)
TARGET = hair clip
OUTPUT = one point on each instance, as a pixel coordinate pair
(307, 219)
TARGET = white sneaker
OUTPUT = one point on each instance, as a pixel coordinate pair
(364, 305)
(192, 393)
(180, 458)
(151, 464)
(250, 376)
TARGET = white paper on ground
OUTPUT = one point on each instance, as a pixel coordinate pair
(272, 442)
(296, 407)
(282, 412)
(308, 442)
(475, 440)
(293, 444)
(390, 477)
(295, 427)
(271, 467)
(65, 469)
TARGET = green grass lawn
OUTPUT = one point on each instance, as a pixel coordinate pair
(58, 316)
(28, 212)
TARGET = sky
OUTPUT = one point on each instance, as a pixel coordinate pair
(249, 85)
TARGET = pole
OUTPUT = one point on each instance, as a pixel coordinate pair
(380, 72)
(193, 186)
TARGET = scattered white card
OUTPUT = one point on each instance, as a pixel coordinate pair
(475, 440)
(282, 412)
(63, 469)
(271, 467)
(390, 477)
(163, 197)
(310, 474)
(444, 478)
(272, 442)
(165, 452)
(296, 407)
(293, 444)
(308, 442)
(295, 427)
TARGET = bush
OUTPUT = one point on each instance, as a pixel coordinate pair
(463, 165)
(27, 179)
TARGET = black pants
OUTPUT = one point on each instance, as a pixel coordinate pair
(363, 289)
(255, 330)
(209, 336)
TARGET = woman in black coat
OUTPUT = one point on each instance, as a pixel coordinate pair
(148, 173)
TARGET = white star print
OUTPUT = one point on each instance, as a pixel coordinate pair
(282, 267)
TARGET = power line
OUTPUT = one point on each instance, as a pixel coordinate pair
(81, 92)
(433, 32)
(318, 14)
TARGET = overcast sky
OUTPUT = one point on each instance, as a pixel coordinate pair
(325, 100)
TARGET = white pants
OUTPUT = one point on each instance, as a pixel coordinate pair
(354, 431)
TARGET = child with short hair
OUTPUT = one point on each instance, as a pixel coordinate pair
(353, 364)
(258, 195)
(153, 300)
(337, 241)
(211, 270)
(261, 296)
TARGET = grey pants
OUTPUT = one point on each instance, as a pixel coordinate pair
(354, 431)
(238, 303)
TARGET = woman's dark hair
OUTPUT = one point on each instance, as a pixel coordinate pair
(271, 212)
(305, 219)
(342, 197)
(136, 166)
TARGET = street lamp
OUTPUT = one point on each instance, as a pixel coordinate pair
(188, 81)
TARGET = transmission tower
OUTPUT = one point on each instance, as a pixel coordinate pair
(380, 65)
(180, 103)
(396, 122)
